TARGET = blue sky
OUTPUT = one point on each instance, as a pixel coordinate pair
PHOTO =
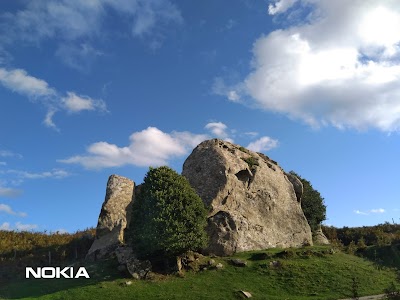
(101, 87)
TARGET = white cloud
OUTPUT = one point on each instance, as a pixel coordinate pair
(71, 21)
(19, 81)
(233, 93)
(3, 163)
(251, 133)
(150, 147)
(9, 192)
(377, 211)
(55, 174)
(11, 178)
(219, 130)
(371, 211)
(5, 153)
(264, 143)
(48, 120)
(79, 57)
(341, 67)
(8, 210)
(74, 103)
(5, 226)
(25, 227)
(280, 6)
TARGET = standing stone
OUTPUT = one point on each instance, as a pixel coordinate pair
(114, 217)
(252, 203)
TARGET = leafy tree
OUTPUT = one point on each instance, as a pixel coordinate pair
(168, 216)
(312, 203)
(361, 244)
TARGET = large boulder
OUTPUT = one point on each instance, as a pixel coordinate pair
(253, 204)
(114, 217)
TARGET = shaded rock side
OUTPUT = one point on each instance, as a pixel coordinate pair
(115, 215)
(253, 204)
(297, 185)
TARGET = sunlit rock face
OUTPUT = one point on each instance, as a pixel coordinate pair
(253, 204)
(115, 215)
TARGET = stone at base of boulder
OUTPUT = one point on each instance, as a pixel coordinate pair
(191, 261)
(123, 254)
(97, 253)
(137, 268)
(319, 237)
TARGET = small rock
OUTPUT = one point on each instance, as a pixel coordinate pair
(138, 267)
(128, 282)
(211, 262)
(135, 276)
(246, 294)
(238, 262)
(190, 256)
(275, 264)
(197, 256)
(219, 266)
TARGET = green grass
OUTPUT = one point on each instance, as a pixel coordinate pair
(308, 273)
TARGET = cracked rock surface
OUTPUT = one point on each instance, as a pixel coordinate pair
(252, 203)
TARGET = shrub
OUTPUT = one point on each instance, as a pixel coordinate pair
(351, 248)
(168, 216)
(243, 149)
(251, 161)
(392, 292)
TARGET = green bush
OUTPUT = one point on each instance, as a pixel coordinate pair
(251, 161)
(168, 216)
(243, 149)
(392, 292)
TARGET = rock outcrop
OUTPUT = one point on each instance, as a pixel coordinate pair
(114, 217)
(253, 204)
(319, 237)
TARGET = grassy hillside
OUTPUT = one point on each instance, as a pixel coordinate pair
(308, 273)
